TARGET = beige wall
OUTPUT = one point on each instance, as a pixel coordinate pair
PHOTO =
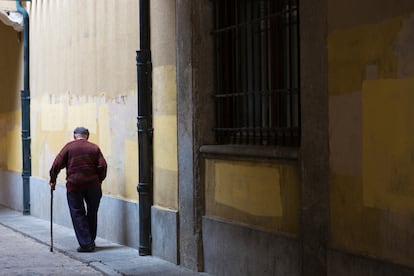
(163, 47)
(371, 79)
(7, 5)
(83, 72)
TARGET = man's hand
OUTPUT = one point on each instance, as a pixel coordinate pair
(52, 185)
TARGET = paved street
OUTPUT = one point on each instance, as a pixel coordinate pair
(21, 255)
(24, 250)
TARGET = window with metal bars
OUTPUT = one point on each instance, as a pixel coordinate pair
(257, 72)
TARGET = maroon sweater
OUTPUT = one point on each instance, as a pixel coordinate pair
(84, 163)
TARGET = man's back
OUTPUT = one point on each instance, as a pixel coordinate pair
(84, 163)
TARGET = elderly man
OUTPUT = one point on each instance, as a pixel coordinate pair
(85, 170)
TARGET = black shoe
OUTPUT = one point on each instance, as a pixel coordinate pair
(86, 248)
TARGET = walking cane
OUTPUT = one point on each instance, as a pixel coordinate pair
(51, 220)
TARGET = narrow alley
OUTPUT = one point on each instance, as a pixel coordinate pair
(227, 137)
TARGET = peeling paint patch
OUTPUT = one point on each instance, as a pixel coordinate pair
(165, 142)
(261, 194)
(404, 48)
(166, 188)
(243, 187)
(164, 90)
(350, 51)
(345, 133)
(54, 118)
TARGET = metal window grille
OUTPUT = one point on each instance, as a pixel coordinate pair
(257, 72)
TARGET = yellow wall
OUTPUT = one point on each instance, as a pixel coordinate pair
(83, 72)
(10, 85)
(164, 103)
(264, 195)
(388, 149)
(370, 128)
(11, 141)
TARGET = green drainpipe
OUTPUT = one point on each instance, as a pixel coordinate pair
(25, 102)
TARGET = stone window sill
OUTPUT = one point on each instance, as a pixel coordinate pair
(249, 152)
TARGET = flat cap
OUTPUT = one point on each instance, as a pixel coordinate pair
(81, 130)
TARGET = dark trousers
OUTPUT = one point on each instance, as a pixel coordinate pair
(85, 220)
